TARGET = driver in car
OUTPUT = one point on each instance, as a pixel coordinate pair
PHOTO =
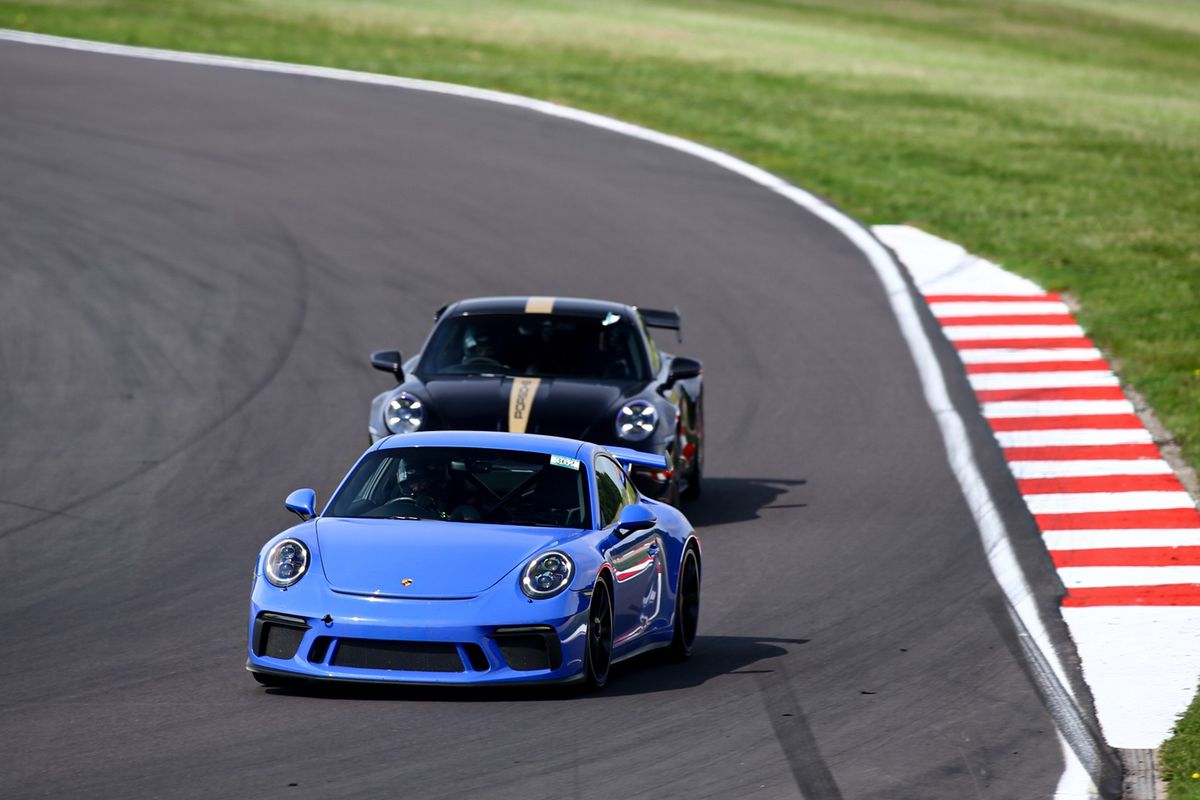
(421, 485)
(479, 347)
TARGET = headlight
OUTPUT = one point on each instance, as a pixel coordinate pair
(636, 420)
(286, 562)
(404, 414)
(547, 575)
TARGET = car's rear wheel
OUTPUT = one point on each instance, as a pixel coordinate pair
(694, 479)
(687, 606)
(673, 496)
(695, 475)
(597, 659)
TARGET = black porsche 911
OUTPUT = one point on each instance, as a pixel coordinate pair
(583, 369)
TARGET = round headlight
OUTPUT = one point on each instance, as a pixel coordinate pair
(286, 562)
(404, 413)
(547, 575)
(636, 420)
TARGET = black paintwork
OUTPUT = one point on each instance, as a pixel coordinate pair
(570, 407)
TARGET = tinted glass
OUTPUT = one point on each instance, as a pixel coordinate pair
(610, 490)
(462, 484)
(536, 345)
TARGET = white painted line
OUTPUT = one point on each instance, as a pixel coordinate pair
(1084, 758)
(1074, 437)
(1123, 663)
(1055, 408)
(1089, 469)
(941, 267)
(1041, 380)
(1099, 577)
(1141, 663)
(997, 546)
(1095, 502)
(1019, 355)
(1121, 538)
(967, 333)
(983, 308)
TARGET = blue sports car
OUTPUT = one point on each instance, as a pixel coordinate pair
(455, 557)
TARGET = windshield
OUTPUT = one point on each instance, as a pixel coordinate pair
(464, 484)
(536, 345)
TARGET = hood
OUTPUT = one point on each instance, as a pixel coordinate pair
(549, 406)
(442, 559)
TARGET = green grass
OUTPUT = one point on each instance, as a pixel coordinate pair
(1060, 138)
(1180, 756)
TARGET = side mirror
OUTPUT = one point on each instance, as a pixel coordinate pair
(683, 368)
(302, 503)
(635, 518)
(389, 361)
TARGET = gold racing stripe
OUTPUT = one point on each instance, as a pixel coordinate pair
(520, 403)
(539, 305)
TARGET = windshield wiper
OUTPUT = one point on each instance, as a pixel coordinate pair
(405, 517)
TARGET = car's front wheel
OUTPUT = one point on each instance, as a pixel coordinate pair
(597, 658)
(687, 607)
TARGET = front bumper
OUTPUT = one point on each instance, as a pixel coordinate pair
(321, 634)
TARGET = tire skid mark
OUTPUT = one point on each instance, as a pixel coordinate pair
(796, 738)
(301, 281)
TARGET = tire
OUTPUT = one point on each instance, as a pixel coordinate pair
(687, 607)
(696, 474)
(695, 478)
(597, 654)
(673, 496)
(272, 681)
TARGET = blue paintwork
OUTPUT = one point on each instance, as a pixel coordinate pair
(636, 458)
(302, 502)
(636, 518)
(465, 579)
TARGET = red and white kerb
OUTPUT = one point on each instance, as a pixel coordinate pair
(1119, 526)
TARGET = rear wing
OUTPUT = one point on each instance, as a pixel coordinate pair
(636, 458)
(657, 318)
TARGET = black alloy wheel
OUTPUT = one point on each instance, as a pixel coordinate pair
(673, 496)
(687, 607)
(695, 476)
(598, 657)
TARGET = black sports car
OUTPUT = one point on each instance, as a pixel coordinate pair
(583, 369)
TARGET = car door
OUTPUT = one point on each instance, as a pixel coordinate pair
(636, 558)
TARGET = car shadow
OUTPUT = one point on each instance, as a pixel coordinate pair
(727, 500)
(714, 657)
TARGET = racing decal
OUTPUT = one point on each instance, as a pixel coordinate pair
(563, 461)
(520, 403)
(539, 305)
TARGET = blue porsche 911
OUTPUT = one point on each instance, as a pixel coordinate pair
(456, 557)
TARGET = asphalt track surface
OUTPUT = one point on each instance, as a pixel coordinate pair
(195, 263)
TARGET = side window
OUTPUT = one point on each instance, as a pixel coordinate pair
(631, 493)
(610, 490)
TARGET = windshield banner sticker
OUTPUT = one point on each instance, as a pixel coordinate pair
(563, 461)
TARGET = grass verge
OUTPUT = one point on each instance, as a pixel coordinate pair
(1057, 137)
(1180, 756)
